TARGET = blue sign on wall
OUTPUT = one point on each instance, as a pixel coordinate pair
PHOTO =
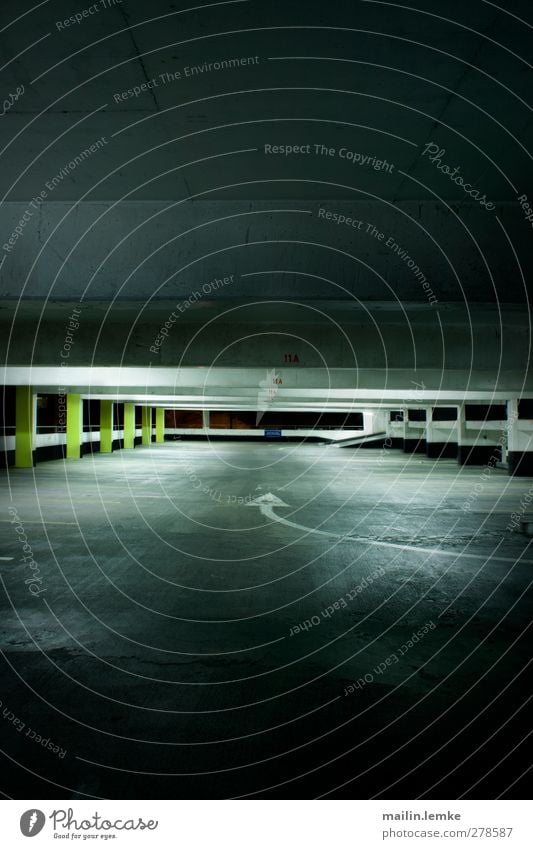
(272, 434)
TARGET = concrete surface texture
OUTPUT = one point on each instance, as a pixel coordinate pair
(240, 209)
(264, 620)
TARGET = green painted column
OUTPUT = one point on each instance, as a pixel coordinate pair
(74, 415)
(106, 427)
(129, 425)
(24, 423)
(160, 424)
(146, 425)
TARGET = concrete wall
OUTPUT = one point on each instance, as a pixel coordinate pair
(328, 336)
(154, 250)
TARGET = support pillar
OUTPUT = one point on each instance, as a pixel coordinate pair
(441, 434)
(205, 419)
(463, 449)
(74, 426)
(160, 424)
(395, 430)
(146, 425)
(429, 433)
(24, 427)
(461, 432)
(520, 442)
(414, 435)
(106, 427)
(404, 427)
(477, 447)
(129, 425)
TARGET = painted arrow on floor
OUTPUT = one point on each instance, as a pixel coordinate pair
(267, 502)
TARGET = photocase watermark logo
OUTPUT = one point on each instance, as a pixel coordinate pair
(32, 822)
(10, 100)
(268, 389)
(65, 825)
(435, 155)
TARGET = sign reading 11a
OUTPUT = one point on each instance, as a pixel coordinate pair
(291, 358)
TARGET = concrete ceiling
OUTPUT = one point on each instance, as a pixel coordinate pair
(376, 77)
(181, 187)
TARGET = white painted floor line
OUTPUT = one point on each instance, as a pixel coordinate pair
(44, 498)
(7, 558)
(269, 513)
(135, 497)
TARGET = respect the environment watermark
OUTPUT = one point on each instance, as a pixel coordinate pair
(186, 72)
(36, 202)
(368, 228)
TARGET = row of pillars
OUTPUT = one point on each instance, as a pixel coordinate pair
(25, 426)
(509, 438)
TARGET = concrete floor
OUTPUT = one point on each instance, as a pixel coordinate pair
(158, 655)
